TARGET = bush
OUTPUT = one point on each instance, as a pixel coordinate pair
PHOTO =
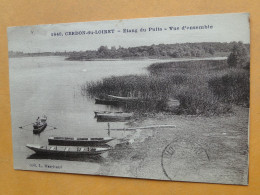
(233, 87)
(239, 56)
(201, 103)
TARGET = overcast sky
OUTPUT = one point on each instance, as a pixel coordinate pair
(226, 28)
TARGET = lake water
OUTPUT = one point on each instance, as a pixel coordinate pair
(52, 86)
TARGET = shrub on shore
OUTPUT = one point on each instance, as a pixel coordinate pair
(232, 87)
(239, 56)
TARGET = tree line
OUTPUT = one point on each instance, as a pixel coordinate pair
(178, 50)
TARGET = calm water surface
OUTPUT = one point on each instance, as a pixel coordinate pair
(52, 86)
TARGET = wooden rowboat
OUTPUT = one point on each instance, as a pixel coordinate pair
(73, 141)
(37, 129)
(40, 125)
(126, 100)
(106, 102)
(105, 112)
(119, 98)
(113, 116)
(67, 150)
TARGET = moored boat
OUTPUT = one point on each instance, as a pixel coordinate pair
(106, 101)
(74, 141)
(127, 100)
(119, 98)
(40, 125)
(105, 112)
(67, 150)
(113, 116)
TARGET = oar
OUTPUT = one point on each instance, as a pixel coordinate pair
(25, 125)
(49, 129)
(52, 127)
(26, 129)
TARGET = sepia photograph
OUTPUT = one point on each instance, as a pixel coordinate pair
(162, 98)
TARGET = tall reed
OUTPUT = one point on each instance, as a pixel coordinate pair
(206, 87)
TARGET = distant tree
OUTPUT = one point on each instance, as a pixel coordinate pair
(113, 52)
(188, 54)
(113, 48)
(154, 51)
(145, 53)
(211, 51)
(164, 53)
(238, 56)
(103, 51)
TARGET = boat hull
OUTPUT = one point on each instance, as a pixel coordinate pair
(105, 112)
(106, 117)
(77, 141)
(39, 129)
(107, 102)
(76, 151)
(111, 119)
(123, 99)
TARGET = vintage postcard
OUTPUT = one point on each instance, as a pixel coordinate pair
(156, 98)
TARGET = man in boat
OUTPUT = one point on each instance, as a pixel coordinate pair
(44, 117)
(108, 128)
(38, 121)
(41, 120)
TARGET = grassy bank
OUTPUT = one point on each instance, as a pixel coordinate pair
(206, 87)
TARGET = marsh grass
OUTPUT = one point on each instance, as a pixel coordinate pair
(206, 87)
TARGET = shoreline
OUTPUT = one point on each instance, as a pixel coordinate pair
(223, 137)
(155, 58)
(221, 57)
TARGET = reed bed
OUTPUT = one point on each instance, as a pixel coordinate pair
(207, 87)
